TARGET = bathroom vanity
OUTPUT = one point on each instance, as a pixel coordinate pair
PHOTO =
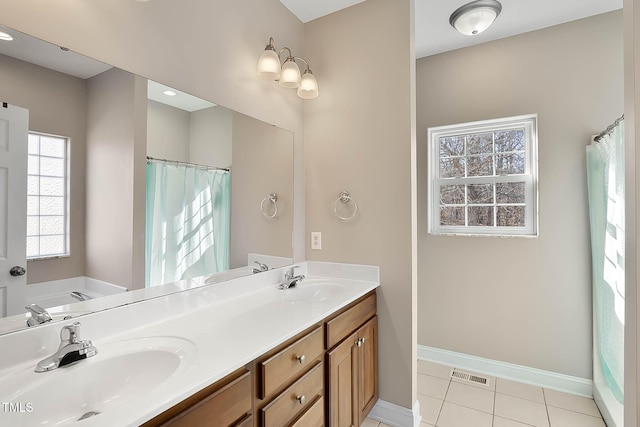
(238, 353)
(327, 375)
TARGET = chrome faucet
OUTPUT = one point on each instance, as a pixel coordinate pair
(71, 349)
(80, 296)
(261, 267)
(290, 280)
(38, 315)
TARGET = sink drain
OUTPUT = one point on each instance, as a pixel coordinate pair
(88, 415)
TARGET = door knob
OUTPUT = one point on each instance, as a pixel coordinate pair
(17, 271)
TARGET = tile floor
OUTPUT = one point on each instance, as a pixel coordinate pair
(446, 402)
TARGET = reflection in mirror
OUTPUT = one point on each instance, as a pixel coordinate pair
(89, 233)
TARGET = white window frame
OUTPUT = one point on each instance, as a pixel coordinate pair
(67, 252)
(530, 177)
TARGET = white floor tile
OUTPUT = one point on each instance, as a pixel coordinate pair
(491, 385)
(471, 397)
(368, 422)
(565, 418)
(434, 369)
(523, 391)
(429, 408)
(426, 425)
(525, 411)
(573, 403)
(504, 422)
(453, 415)
(432, 386)
(384, 425)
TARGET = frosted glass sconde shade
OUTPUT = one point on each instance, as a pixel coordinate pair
(475, 17)
(290, 76)
(269, 65)
(308, 86)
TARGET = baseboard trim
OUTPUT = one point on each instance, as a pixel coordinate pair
(524, 374)
(396, 415)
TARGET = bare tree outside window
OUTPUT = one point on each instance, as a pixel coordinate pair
(486, 176)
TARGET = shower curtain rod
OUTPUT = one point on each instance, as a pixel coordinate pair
(609, 129)
(178, 162)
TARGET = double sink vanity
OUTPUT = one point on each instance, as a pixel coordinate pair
(236, 353)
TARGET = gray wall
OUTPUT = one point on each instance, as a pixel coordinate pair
(56, 104)
(211, 136)
(358, 137)
(115, 206)
(521, 300)
(262, 164)
(168, 130)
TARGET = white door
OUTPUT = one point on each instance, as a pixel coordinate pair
(14, 128)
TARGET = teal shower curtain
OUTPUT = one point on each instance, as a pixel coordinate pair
(605, 172)
(187, 222)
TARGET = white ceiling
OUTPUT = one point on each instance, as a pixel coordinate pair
(434, 34)
(181, 100)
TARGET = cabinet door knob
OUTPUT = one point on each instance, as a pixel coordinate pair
(359, 342)
(363, 339)
(301, 399)
(301, 359)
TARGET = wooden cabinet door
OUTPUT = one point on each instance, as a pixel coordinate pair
(342, 384)
(367, 363)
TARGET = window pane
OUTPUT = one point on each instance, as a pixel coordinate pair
(32, 246)
(480, 166)
(452, 167)
(51, 167)
(510, 164)
(33, 165)
(481, 216)
(510, 140)
(52, 206)
(51, 225)
(33, 205)
(34, 146)
(452, 194)
(452, 146)
(33, 225)
(52, 146)
(52, 186)
(510, 192)
(33, 186)
(451, 215)
(481, 143)
(480, 193)
(510, 216)
(51, 245)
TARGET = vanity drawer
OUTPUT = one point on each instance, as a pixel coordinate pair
(349, 320)
(313, 417)
(294, 400)
(289, 362)
(230, 405)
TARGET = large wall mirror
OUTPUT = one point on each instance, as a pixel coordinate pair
(131, 186)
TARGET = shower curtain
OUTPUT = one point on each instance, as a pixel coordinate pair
(187, 222)
(605, 171)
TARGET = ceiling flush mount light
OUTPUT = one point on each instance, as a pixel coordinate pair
(6, 37)
(475, 17)
(169, 93)
(287, 73)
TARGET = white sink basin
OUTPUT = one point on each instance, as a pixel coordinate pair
(314, 290)
(119, 373)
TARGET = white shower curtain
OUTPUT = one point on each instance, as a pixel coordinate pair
(605, 170)
(187, 222)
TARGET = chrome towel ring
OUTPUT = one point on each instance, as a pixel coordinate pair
(269, 202)
(342, 209)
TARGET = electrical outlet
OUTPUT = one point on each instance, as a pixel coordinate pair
(316, 240)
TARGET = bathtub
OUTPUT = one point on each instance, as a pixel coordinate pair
(57, 292)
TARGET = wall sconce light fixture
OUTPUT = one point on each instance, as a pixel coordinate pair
(475, 17)
(287, 74)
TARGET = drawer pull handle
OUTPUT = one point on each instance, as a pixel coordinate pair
(301, 359)
(301, 399)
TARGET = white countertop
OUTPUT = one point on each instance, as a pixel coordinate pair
(227, 325)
